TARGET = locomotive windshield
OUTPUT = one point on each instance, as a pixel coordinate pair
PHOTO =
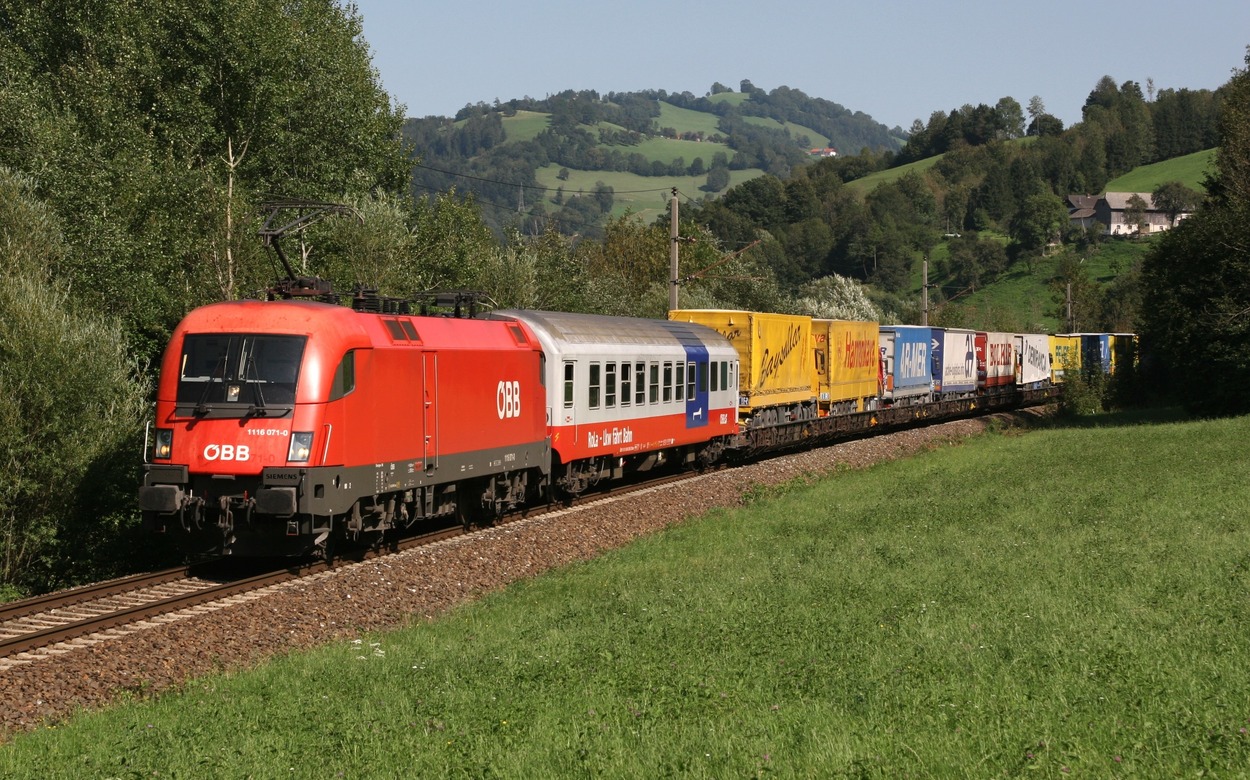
(238, 374)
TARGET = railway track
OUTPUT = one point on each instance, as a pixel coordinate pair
(60, 622)
(95, 610)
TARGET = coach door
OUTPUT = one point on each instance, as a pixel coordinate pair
(568, 397)
(429, 391)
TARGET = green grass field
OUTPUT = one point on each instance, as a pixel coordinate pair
(526, 125)
(646, 196)
(815, 139)
(683, 120)
(867, 184)
(1188, 170)
(1066, 603)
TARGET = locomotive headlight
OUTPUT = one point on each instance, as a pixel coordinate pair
(301, 446)
(164, 445)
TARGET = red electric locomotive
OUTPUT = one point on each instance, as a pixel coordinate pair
(282, 425)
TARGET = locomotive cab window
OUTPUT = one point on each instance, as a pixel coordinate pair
(344, 376)
(238, 373)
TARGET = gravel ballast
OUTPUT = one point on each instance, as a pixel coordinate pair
(392, 591)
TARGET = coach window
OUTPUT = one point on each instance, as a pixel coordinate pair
(703, 377)
(344, 376)
(654, 386)
(640, 383)
(668, 382)
(724, 375)
(609, 385)
(626, 375)
(681, 382)
(568, 385)
(595, 385)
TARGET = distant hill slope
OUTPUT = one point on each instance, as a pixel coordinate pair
(1029, 289)
(535, 161)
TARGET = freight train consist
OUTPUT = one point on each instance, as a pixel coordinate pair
(285, 426)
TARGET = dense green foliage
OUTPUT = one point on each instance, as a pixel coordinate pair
(848, 628)
(71, 406)
(147, 128)
(137, 141)
(1197, 280)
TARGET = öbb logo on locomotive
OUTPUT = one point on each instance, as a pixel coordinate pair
(508, 399)
(227, 452)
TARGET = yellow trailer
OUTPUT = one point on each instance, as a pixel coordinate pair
(776, 380)
(848, 365)
(1065, 357)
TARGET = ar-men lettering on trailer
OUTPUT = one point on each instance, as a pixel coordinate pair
(912, 359)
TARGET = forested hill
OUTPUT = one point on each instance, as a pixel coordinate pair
(566, 157)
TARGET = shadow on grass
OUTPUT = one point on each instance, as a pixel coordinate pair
(1155, 415)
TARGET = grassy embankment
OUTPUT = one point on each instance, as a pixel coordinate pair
(1070, 601)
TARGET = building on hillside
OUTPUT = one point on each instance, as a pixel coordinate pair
(827, 151)
(1109, 209)
(1081, 210)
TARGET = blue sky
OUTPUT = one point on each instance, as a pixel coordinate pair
(894, 60)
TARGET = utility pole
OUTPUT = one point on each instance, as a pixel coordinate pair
(1071, 324)
(924, 312)
(672, 253)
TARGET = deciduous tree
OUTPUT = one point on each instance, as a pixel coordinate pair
(1196, 312)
